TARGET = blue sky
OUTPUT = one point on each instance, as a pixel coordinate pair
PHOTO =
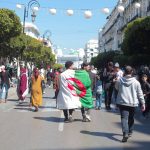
(67, 32)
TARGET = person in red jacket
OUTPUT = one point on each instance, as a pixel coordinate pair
(56, 81)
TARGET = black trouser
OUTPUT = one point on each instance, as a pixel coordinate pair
(84, 110)
(108, 95)
(127, 118)
(66, 112)
(49, 82)
(56, 94)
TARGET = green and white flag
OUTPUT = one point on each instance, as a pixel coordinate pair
(75, 90)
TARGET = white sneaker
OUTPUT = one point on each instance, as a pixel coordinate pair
(88, 118)
(70, 118)
(20, 102)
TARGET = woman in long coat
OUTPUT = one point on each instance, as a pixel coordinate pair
(36, 89)
(23, 84)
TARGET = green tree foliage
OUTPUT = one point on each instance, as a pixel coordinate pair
(101, 60)
(28, 49)
(37, 52)
(57, 66)
(10, 25)
(136, 39)
(18, 45)
(15, 44)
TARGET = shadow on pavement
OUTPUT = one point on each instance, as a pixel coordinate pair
(52, 98)
(23, 105)
(12, 100)
(102, 134)
(80, 120)
(51, 119)
(21, 108)
(47, 97)
(142, 125)
(47, 106)
(138, 146)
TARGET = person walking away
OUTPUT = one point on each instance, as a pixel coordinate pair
(42, 73)
(93, 79)
(63, 102)
(22, 87)
(108, 77)
(99, 91)
(118, 74)
(5, 84)
(129, 95)
(146, 91)
(56, 83)
(74, 90)
(36, 89)
(85, 110)
(48, 76)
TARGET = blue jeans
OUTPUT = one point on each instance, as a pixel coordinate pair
(98, 100)
(4, 92)
(127, 118)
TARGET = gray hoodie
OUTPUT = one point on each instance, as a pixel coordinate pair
(129, 92)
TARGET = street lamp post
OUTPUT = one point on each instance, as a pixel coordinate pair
(47, 34)
(34, 6)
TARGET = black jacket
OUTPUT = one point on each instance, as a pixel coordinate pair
(5, 78)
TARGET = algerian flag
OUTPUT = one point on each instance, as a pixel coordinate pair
(75, 90)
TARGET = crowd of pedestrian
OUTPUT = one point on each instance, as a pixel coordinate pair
(126, 88)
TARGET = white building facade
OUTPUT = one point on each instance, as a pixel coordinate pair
(31, 30)
(111, 36)
(91, 49)
(76, 59)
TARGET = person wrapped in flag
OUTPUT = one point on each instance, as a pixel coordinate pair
(85, 110)
(74, 90)
(22, 87)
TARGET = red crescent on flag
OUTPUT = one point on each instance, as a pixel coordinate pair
(80, 86)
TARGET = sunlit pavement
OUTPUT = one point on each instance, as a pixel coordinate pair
(23, 129)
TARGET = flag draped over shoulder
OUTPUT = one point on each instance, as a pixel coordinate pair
(22, 88)
(75, 90)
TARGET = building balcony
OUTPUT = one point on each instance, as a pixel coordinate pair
(109, 40)
(133, 18)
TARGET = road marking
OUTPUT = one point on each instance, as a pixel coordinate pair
(61, 124)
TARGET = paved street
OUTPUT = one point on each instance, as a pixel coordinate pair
(23, 129)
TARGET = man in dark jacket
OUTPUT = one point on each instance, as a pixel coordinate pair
(146, 91)
(108, 77)
(5, 84)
